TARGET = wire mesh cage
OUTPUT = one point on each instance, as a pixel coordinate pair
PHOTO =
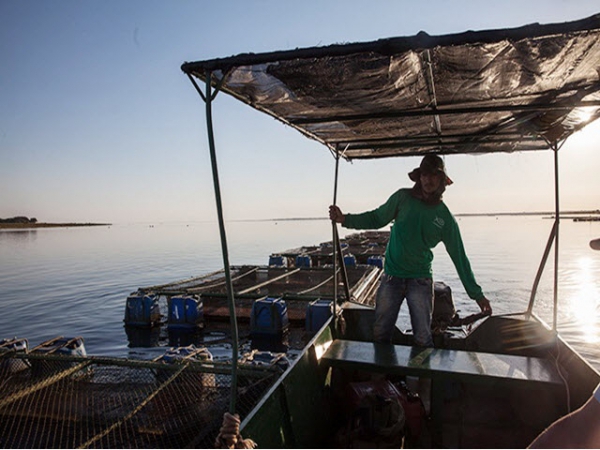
(52, 401)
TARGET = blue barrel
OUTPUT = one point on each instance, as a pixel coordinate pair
(185, 312)
(317, 313)
(375, 260)
(350, 260)
(142, 310)
(277, 261)
(269, 317)
(303, 261)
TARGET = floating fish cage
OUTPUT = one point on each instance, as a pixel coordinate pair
(15, 345)
(61, 398)
(362, 245)
(93, 402)
(58, 346)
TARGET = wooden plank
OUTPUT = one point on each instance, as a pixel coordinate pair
(266, 283)
(440, 363)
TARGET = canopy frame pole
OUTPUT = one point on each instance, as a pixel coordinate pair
(336, 236)
(338, 255)
(208, 98)
(538, 276)
(552, 239)
(335, 239)
(555, 148)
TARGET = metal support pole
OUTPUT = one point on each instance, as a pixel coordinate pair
(208, 97)
(556, 222)
(538, 276)
(338, 256)
(552, 239)
(335, 247)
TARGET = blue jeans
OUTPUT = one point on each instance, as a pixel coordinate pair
(390, 295)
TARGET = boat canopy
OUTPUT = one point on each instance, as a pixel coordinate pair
(504, 90)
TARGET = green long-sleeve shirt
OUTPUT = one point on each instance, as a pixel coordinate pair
(418, 227)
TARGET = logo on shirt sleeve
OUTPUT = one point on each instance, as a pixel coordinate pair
(439, 222)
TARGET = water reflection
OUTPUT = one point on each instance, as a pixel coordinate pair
(185, 337)
(29, 234)
(143, 337)
(584, 301)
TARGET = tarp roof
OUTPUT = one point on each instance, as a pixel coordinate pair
(475, 92)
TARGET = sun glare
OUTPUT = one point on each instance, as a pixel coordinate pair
(585, 113)
(585, 301)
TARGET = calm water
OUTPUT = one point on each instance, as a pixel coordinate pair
(74, 282)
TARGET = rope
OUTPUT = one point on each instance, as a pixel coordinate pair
(49, 381)
(135, 410)
(229, 434)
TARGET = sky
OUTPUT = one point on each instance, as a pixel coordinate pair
(99, 124)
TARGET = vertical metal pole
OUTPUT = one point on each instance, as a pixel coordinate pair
(230, 298)
(557, 222)
(335, 241)
(538, 276)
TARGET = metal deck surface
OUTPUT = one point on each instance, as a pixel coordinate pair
(440, 363)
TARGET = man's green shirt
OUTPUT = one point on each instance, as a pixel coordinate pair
(418, 227)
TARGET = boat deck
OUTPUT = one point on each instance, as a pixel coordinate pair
(437, 363)
(450, 379)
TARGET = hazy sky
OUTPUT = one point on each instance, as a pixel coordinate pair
(98, 123)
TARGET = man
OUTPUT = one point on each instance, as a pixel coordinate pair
(421, 221)
(578, 429)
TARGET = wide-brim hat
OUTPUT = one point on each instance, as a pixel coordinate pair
(430, 164)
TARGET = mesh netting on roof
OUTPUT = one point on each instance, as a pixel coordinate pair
(475, 92)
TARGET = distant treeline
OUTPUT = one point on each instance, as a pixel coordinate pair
(19, 219)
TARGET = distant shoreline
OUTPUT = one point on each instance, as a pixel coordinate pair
(563, 215)
(11, 226)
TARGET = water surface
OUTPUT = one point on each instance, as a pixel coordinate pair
(74, 281)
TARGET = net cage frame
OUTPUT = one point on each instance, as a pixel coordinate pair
(62, 401)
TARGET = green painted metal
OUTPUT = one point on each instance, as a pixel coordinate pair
(440, 363)
(208, 97)
(540, 271)
(231, 300)
(556, 241)
(294, 413)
